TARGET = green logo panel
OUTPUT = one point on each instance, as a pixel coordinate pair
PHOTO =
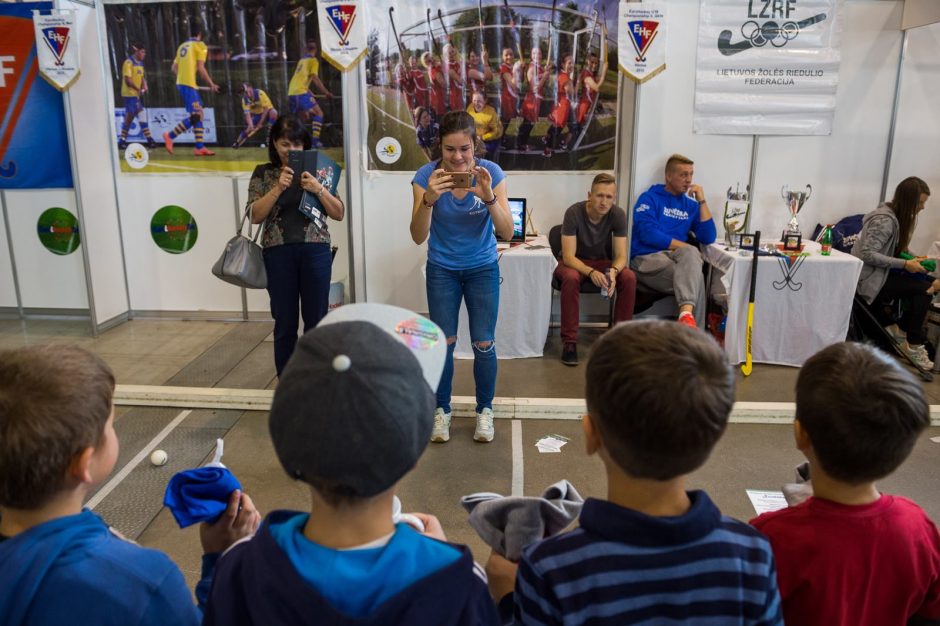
(58, 231)
(174, 229)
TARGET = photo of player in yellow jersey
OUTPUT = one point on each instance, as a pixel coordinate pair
(259, 112)
(219, 74)
(133, 88)
(191, 60)
(301, 99)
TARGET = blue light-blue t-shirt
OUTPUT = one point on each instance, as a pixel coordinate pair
(356, 582)
(462, 235)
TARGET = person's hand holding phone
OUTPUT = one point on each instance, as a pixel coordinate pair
(439, 183)
(285, 178)
(483, 189)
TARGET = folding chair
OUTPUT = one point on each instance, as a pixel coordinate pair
(554, 242)
(863, 325)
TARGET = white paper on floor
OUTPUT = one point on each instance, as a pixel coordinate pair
(766, 501)
(935, 439)
(551, 443)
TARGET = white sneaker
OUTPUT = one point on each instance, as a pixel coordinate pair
(441, 431)
(918, 354)
(484, 431)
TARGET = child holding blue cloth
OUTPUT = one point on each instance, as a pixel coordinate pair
(63, 564)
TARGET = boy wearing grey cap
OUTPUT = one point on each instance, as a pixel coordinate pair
(351, 415)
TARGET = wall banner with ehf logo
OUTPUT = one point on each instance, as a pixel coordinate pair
(342, 32)
(642, 43)
(767, 67)
(57, 47)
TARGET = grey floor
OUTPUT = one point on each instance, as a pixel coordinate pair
(239, 355)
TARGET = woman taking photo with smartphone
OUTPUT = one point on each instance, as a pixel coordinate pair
(297, 255)
(459, 201)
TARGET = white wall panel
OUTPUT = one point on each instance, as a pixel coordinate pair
(845, 168)
(665, 120)
(47, 280)
(91, 132)
(161, 281)
(7, 287)
(917, 137)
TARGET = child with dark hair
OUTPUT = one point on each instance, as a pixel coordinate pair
(849, 554)
(652, 552)
(62, 564)
(350, 417)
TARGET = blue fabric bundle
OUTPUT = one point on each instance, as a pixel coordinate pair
(199, 495)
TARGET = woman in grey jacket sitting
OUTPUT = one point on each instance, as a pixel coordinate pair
(886, 234)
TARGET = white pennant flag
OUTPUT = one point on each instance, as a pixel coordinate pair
(342, 32)
(57, 47)
(641, 39)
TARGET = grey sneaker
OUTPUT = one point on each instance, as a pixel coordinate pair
(441, 431)
(896, 333)
(484, 431)
(918, 354)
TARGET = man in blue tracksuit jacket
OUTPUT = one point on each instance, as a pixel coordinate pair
(659, 255)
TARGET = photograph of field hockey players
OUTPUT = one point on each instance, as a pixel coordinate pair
(197, 85)
(538, 76)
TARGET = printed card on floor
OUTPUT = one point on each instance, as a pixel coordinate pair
(766, 501)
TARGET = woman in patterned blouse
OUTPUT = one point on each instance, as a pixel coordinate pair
(297, 253)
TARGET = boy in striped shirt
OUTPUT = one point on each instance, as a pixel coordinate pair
(658, 398)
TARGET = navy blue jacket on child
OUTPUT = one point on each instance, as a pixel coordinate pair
(281, 577)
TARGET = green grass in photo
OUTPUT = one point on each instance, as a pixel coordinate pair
(58, 231)
(174, 229)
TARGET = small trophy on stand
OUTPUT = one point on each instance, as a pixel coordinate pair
(792, 238)
(736, 209)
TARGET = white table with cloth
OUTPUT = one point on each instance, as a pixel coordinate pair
(800, 306)
(525, 294)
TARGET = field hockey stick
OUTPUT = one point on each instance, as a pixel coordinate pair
(440, 18)
(434, 45)
(749, 337)
(552, 34)
(513, 29)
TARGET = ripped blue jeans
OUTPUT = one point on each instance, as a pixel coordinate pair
(479, 287)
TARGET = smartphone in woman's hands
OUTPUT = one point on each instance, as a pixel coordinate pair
(295, 161)
(461, 180)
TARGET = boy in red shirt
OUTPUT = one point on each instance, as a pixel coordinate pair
(850, 555)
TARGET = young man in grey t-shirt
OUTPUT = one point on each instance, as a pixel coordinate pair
(592, 232)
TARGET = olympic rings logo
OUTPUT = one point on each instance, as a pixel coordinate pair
(770, 32)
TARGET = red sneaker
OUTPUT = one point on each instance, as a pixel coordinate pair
(688, 319)
(203, 152)
(168, 142)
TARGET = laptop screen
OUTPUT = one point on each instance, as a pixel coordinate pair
(518, 209)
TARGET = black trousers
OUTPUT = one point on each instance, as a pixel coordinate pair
(913, 289)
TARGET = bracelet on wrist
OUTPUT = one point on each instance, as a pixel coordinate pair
(425, 202)
(490, 202)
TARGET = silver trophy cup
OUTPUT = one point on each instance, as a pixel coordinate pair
(795, 201)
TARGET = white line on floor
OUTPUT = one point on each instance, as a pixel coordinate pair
(464, 406)
(143, 454)
(518, 484)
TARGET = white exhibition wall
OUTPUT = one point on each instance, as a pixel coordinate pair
(845, 170)
(917, 137)
(90, 129)
(7, 284)
(47, 280)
